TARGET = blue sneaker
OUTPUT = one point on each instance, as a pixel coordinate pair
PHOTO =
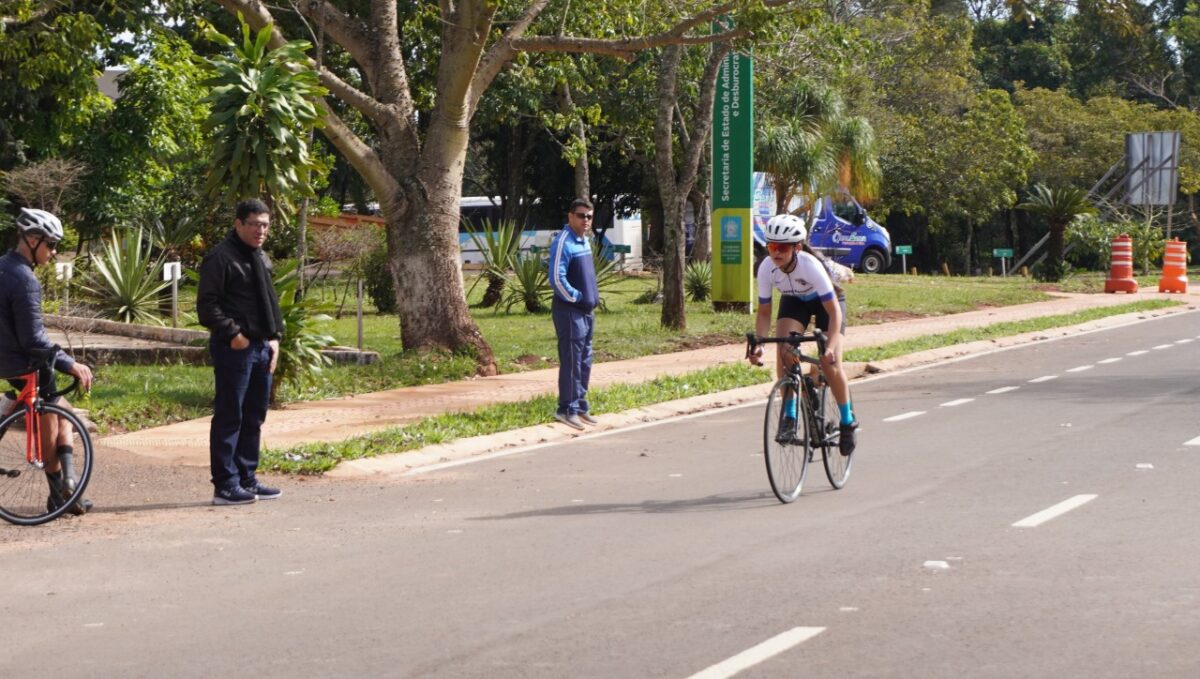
(233, 496)
(262, 492)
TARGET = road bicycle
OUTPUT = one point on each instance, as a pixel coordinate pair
(24, 492)
(790, 440)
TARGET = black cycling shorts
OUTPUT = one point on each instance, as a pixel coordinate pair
(802, 312)
(46, 385)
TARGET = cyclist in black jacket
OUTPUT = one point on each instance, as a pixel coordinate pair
(22, 333)
(237, 302)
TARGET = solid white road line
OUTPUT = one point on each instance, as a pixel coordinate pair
(753, 656)
(1057, 510)
(904, 416)
(1080, 368)
(1193, 442)
(1043, 378)
(1109, 360)
(1163, 346)
(1003, 390)
(1137, 353)
(956, 402)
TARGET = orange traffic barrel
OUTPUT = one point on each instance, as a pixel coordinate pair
(1121, 279)
(1174, 273)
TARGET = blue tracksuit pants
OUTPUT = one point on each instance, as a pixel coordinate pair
(574, 329)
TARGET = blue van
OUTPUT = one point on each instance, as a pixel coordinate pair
(840, 230)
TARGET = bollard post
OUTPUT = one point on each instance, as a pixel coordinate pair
(360, 314)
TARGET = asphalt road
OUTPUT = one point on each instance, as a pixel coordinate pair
(1031, 512)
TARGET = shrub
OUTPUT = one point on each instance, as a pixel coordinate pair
(496, 245)
(529, 286)
(697, 281)
(300, 357)
(377, 277)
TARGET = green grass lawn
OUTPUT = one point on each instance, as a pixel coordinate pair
(135, 397)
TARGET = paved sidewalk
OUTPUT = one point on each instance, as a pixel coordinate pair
(338, 419)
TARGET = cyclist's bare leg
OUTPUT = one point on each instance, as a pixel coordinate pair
(783, 358)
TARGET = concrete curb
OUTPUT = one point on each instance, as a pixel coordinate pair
(463, 450)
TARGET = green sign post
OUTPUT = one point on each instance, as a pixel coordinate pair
(904, 251)
(1003, 254)
(732, 191)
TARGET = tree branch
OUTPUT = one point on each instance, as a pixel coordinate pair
(502, 52)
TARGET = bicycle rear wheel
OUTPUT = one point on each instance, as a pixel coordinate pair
(837, 466)
(785, 444)
(23, 489)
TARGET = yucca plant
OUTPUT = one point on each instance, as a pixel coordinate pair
(496, 245)
(300, 357)
(126, 279)
(607, 275)
(697, 281)
(529, 286)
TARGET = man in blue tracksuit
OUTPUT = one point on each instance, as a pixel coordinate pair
(573, 278)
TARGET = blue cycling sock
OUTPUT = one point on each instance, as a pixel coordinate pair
(847, 415)
(789, 408)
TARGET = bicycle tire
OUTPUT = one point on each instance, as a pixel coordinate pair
(786, 452)
(23, 495)
(837, 466)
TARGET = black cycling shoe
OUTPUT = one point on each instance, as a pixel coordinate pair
(60, 494)
(848, 438)
(787, 430)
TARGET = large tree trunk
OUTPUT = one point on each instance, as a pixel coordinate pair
(676, 184)
(424, 250)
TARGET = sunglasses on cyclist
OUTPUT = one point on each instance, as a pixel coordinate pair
(780, 247)
(586, 216)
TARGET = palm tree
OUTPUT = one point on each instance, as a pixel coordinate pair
(810, 147)
(1059, 207)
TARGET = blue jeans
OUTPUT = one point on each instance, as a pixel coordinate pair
(574, 329)
(243, 391)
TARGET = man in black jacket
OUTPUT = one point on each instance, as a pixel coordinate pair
(237, 302)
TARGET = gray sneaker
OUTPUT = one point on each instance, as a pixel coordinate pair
(570, 420)
(233, 496)
(587, 419)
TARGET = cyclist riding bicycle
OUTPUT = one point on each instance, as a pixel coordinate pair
(22, 334)
(793, 268)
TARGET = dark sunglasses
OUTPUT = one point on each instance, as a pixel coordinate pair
(581, 215)
(780, 247)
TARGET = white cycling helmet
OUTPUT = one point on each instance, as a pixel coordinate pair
(40, 222)
(785, 228)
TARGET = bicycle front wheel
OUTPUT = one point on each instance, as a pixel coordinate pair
(785, 442)
(837, 466)
(24, 493)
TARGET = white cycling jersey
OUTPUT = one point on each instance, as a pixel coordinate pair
(808, 280)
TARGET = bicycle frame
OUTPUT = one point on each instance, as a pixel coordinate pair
(29, 400)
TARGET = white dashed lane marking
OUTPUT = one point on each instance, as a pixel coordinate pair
(1081, 368)
(1109, 360)
(1137, 353)
(904, 416)
(753, 656)
(956, 402)
(1043, 378)
(1003, 390)
(1163, 346)
(1059, 509)
(1185, 340)
(1193, 442)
